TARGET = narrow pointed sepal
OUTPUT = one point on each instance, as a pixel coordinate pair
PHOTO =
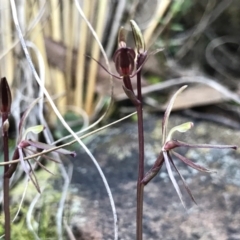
(191, 163)
(217, 146)
(171, 176)
(183, 180)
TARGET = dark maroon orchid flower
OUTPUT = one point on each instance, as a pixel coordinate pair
(124, 59)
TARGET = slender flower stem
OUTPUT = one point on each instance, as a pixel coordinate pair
(140, 186)
(6, 198)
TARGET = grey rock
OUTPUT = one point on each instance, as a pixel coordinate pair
(217, 215)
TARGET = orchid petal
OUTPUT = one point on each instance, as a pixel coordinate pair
(33, 178)
(170, 173)
(183, 180)
(23, 164)
(180, 128)
(113, 75)
(192, 164)
(26, 170)
(24, 117)
(167, 114)
(184, 144)
(35, 129)
(43, 167)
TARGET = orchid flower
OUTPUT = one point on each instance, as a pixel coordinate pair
(22, 149)
(168, 144)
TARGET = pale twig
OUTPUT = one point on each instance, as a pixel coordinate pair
(21, 202)
(68, 230)
(97, 130)
(82, 113)
(217, 43)
(59, 215)
(29, 215)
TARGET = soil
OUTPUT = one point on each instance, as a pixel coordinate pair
(217, 214)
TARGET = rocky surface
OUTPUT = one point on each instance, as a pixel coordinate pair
(217, 215)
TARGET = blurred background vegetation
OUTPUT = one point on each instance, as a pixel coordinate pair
(200, 38)
(197, 37)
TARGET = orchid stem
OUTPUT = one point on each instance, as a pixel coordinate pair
(6, 180)
(140, 186)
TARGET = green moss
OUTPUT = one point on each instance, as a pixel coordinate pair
(44, 212)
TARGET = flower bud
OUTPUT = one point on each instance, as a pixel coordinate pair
(5, 96)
